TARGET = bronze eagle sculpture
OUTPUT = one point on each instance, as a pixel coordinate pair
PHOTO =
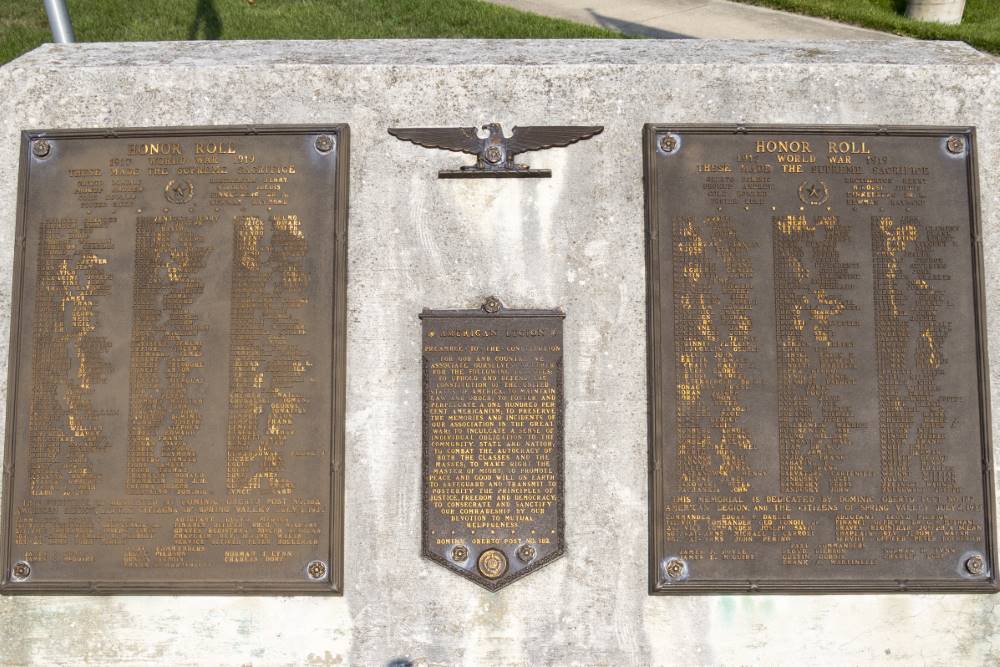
(495, 152)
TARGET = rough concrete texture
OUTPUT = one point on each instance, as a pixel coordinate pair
(700, 19)
(574, 241)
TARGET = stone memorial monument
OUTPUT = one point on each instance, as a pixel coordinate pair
(738, 346)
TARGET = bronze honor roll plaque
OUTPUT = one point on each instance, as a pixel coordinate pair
(493, 441)
(176, 389)
(819, 417)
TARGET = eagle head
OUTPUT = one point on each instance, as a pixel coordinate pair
(493, 129)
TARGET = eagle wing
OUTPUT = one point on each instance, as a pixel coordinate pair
(458, 139)
(536, 137)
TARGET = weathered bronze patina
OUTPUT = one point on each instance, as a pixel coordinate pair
(819, 417)
(495, 152)
(176, 391)
(493, 441)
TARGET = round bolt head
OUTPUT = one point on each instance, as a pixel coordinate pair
(975, 565)
(956, 144)
(41, 147)
(668, 143)
(460, 553)
(20, 571)
(324, 143)
(316, 570)
(526, 553)
(492, 305)
(675, 568)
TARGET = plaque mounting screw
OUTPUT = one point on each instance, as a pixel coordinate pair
(20, 571)
(526, 553)
(668, 143)
(956, 144)
(316, 570)
(460, 553)
(41, 147)
(492, 305)
(975, 565)
(324, 143)
(675, 568)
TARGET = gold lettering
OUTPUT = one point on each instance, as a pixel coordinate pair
(155, 149)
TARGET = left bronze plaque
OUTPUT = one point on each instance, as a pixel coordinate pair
(175, 403)
(493, 441)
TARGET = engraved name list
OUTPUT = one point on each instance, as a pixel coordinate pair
(174, 399)
(819, 416)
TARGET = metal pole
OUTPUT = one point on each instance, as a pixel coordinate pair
(62, 29)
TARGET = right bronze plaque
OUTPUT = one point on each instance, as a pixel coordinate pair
(819, 413)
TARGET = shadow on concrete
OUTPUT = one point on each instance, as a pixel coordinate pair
(629, 28)
(206, 20)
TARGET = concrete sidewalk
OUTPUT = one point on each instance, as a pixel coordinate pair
(698, 19)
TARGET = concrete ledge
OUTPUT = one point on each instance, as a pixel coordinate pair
(513, 52)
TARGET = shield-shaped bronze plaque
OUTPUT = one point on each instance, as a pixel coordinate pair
(819, 417)
(176, 392)
(492, 441)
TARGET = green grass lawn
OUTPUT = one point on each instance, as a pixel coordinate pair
(980, 26)
(23, 24)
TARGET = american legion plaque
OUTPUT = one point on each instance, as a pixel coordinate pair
(176, 401)
(492, 441)
(819, 418)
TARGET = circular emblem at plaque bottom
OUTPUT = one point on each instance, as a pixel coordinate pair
(492, 563)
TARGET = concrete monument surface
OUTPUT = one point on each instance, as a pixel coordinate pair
(574, 241)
